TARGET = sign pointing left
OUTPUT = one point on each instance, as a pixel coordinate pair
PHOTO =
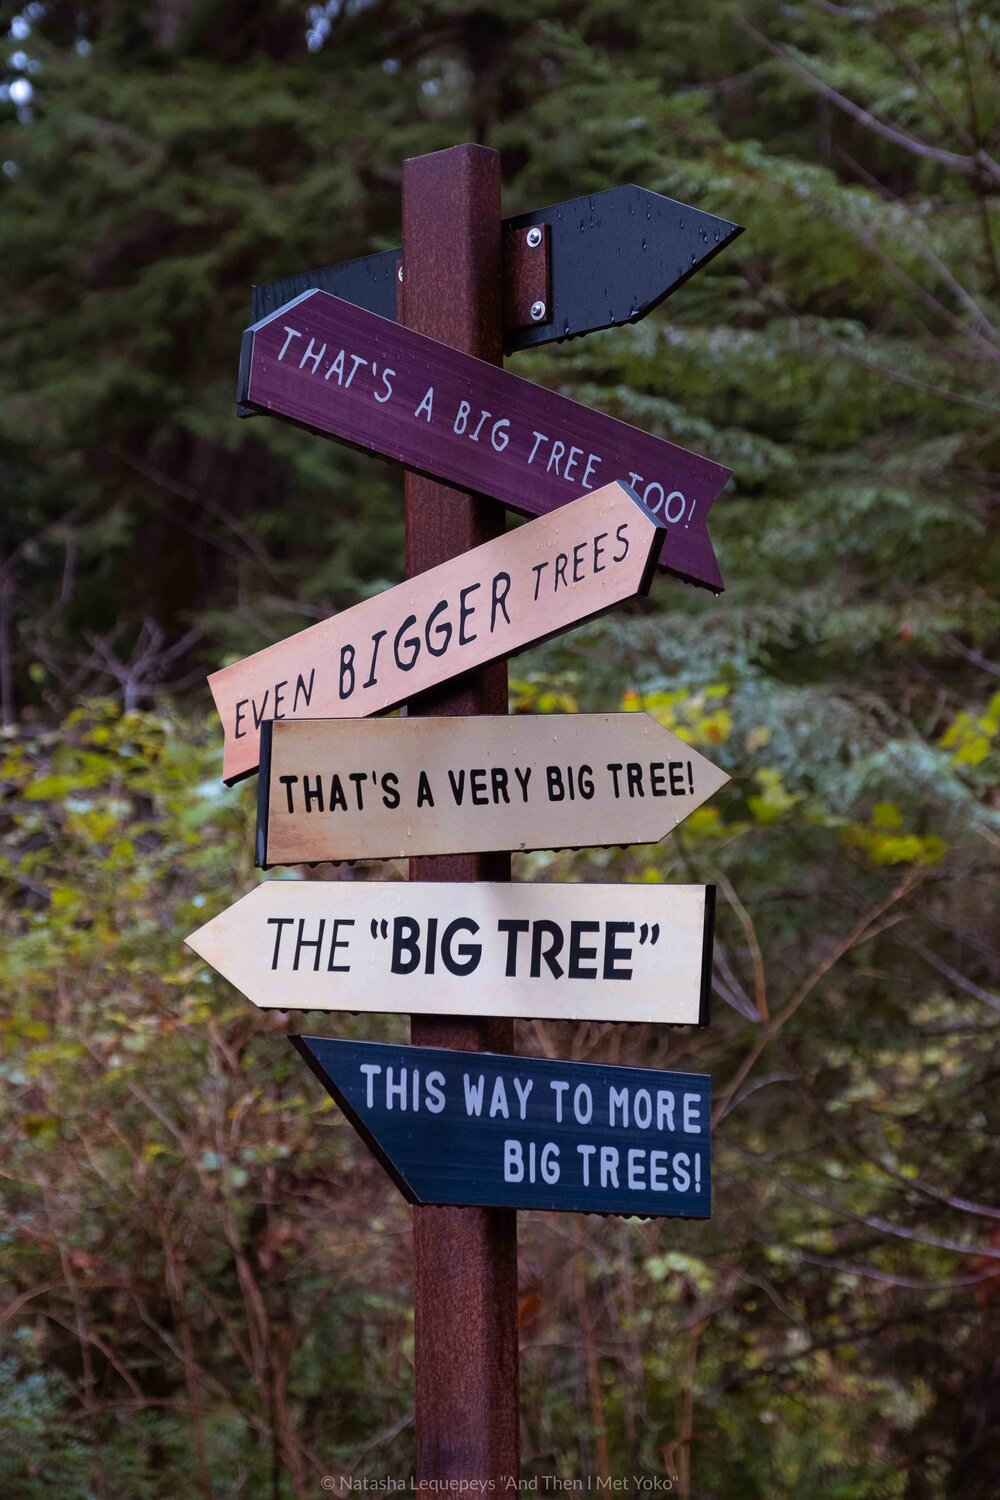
(561, 952)
(480, 1128)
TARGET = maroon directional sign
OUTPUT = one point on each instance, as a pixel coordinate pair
(332, 367)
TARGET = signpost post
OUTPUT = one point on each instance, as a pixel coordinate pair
(344, 789)
(465, 1322)
(525, 1132)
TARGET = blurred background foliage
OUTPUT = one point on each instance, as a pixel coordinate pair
(204, 1278)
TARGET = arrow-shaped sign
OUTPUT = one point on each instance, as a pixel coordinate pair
(480, 1128)
(560, 952)
(330, 366)
(336, 789)
(613, 257)
(489, 603)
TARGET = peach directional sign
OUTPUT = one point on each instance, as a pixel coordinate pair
(525, 1132)
(558, 952)
(490, 602)
(337, 369)
(336, 789)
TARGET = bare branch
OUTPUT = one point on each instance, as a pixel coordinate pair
(909, 1283)
(968, 986)
(985, 332)
(976, 165)
(750, 933)
(822, 335)
(860, 933)
(871, 1221)
(970, 655)
(251, 543)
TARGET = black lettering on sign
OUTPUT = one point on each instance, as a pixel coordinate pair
(425, 797)
(548, 951)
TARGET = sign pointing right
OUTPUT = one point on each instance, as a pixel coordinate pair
(612, 257)
(334, 789)
(615, 256)
(326, 365)
(509, 593)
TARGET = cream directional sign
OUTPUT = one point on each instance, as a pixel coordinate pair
(546, 576)
(335, 789)
(560, 952)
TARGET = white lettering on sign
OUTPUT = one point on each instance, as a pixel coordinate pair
(519, 1132)
(556, 455)
(337, 369)
(412, 1090)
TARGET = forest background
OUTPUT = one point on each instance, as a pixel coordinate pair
(204, 1279)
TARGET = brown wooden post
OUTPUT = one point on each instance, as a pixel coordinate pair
(465, 1259)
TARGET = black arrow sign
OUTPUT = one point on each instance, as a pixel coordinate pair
(614, 256)
(478, 1128)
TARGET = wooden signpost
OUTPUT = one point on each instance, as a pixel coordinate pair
(519, 1132)
(568, 269)
(344, 789)
(486, 604)
(332, 367)
(404, 362)
(559, 952)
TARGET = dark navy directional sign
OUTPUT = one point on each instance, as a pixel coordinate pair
(479, 1128)
(613, 257)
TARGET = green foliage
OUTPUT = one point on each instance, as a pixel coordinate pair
(161, 1144)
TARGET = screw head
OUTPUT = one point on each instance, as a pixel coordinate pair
(534, 237)
(537, 311)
